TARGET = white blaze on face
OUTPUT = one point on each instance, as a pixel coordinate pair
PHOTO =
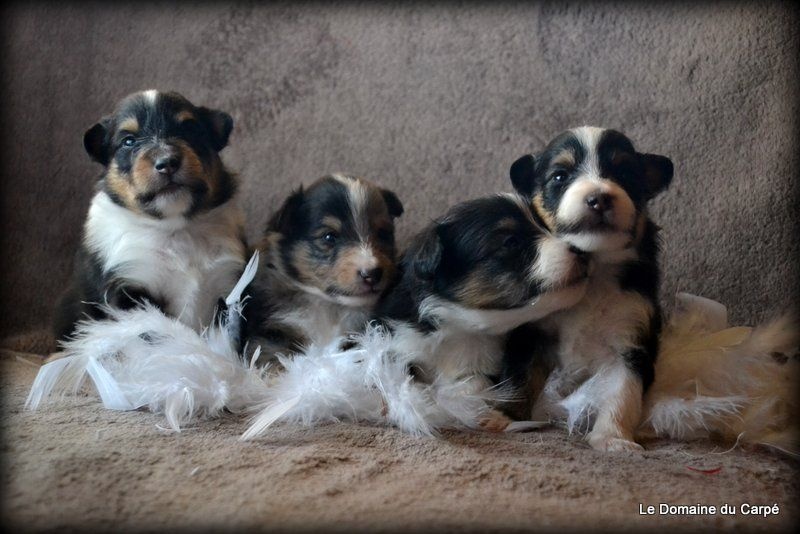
(150, 96)
(573, 209)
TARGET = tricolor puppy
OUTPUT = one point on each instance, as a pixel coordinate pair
(326, 257)
(591, 188)
(476, 273)
(163, 226)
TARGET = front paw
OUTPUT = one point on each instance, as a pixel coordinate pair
(605, 442)
(494, 421)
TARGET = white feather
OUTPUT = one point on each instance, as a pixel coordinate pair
(712, 380)
(143, 358)
(369, 383)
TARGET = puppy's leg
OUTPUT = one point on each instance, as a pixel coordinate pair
(493, 420)
(619, 411)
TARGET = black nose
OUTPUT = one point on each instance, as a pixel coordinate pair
(168, 164)
(599, 202)
(371, 277)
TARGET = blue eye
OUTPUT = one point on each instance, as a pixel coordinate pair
(129, 141)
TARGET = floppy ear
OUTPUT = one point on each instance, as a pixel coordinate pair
(393, 203)
(283, 219)
(96, 141)
(427, 253)
(657, 173)
(219, 125)
(522, 174)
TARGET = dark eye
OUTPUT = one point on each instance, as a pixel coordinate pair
(129, 141)
(512, 242)
(558, 176)
(385, 235)
(329, 238)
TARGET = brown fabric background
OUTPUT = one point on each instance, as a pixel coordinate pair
(435, 102)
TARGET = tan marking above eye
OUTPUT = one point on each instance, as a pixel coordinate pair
(130, 125)
(330, 224)
(564, 158)
(184, 115)
(547, 217)
(506, 224)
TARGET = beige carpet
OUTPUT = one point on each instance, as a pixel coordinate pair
(77, 465)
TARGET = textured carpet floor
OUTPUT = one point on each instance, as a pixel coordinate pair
(81, 466)
(434, 102)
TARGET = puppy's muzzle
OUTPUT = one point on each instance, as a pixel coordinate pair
(371, 277)
(600, 208)
(167, 161)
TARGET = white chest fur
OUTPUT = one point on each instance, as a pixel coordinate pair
(320, 321)
(468, 343)
(600, 327)
(186, 264)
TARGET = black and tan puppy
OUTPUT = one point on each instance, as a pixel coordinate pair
(163, 226)
(479, 271)
(591, 188)
(326, 257)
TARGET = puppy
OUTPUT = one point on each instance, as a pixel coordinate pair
(326, 257)
(590, 187)
(476, 273)
(163, 226)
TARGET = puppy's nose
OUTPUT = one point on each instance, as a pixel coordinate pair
(599, 202)
(168, 164)
(371, 277)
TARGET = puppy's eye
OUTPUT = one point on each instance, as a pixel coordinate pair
(329, 238)
(512, 242)
(385, 235)
(558, 176)
(129, 141)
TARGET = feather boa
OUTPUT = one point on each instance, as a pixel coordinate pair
(711, 380)
(369, 383)
(143, 358)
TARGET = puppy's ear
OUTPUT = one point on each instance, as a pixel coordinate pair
(522, 172)
(393, 203)
(657, 173)
(96, 141)
(219, 125)
(283, 220)
(427, 254)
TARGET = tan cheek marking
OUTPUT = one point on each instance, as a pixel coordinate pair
(548, 217)
(129, 125)
(121, 187)
(308, 270)
(192, 167)
(142, 173)
(477, 291)
(641, 223)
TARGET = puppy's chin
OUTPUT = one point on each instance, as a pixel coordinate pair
(599, 241)
(172, 202)
(356, 301)
(366, 300)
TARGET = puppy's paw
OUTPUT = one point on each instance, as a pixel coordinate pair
(494, 421)
(604, 442)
